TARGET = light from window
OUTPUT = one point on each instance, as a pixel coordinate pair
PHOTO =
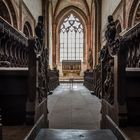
(71, 39)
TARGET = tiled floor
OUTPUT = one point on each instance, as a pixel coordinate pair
(73, 107)
(70, 107)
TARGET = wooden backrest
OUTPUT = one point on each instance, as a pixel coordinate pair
(118, 56)
(0, 125)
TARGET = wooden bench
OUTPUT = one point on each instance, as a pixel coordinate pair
(120, 73)
(0, 125)
(53, 79)
(13, 95)
(23, 77)
(89, 80)
(133, 95)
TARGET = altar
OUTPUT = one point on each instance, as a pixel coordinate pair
(71, 67)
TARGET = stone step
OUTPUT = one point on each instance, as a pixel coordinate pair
(75, 134)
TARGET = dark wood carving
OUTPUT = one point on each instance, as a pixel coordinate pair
(89, 80)
(38, 77)
(41, 61)
(106, 56)
(13, 74)
(120, 68)
(53, 79)
(25, 82)
(0, 125)
(98, 81)
(13, 46)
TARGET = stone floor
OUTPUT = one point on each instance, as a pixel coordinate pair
(70, 107)
(73, 107)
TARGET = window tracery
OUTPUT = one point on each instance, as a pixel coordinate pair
(71, 39)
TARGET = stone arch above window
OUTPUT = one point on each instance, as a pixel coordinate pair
(118, 27)
(27, 30)
(134, 15)
(71, 9)
(4, 12)
(7, 12)
(137, 14)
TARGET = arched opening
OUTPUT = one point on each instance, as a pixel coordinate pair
(71, 35)
(4, 13)
(27, 30)
(118, 27)
(134, 15)
(137, 14)
(70, 32)
(7, 12)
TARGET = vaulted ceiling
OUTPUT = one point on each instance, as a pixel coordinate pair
(59, 5)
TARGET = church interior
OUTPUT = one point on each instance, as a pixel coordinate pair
(70, 69)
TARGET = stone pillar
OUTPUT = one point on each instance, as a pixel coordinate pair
(54, 44)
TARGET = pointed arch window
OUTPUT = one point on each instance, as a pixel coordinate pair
(71, 39)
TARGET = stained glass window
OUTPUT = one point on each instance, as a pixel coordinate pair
(71, 39)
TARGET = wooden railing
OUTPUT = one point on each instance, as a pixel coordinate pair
(13, 74)
(23, 72)
(13, 46)
(38, 79)
(120, 59)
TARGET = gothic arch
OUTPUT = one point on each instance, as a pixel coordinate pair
(134, 14)
(57, 22)
(4, 12)
(118, 27)
(27, 29)
(59, 2)
(7, 12)
(78, 12)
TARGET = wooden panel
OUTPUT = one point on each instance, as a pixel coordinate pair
(13, 94)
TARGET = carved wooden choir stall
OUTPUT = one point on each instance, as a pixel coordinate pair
(97, 81)
(23, 77)
(120, 67)
(89, 80)
(0, 126)
(92, 80)
(53, 79)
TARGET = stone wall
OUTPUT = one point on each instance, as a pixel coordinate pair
(35, 7)
(108, 8)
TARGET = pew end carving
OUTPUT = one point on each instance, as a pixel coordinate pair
(0, 125)
(120, 79)
(89, 80)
